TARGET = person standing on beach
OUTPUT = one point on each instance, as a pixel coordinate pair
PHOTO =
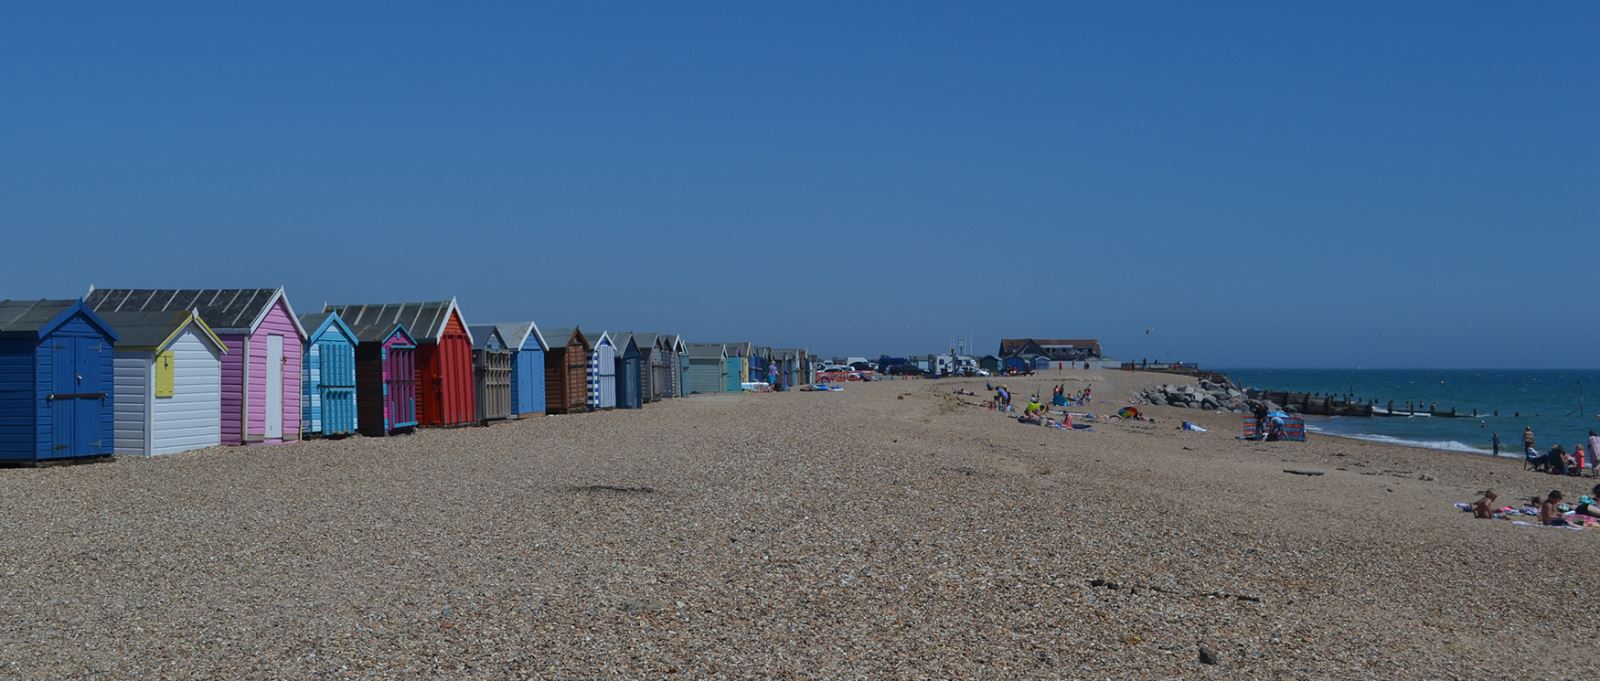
(1594, 453)
(1494, 438)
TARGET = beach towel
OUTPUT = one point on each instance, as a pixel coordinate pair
(1190, 426)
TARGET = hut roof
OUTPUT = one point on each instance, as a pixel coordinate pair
(424, 321)
(482, 333)
(563, 334)
(153, 329)
(38, 318)
(707, 350)
(516, 334)
(229, 310)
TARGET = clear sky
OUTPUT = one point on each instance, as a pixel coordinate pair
(1397, 184)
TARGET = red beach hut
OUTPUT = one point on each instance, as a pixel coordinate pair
(443, 355)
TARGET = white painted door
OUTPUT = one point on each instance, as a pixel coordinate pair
(274, 387)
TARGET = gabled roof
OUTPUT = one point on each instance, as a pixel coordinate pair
(228, 310)
(517, 334)
(319, 322)
(38, 318)
(484, 335)
(707, 350)
(602, 336)
(565, 334)
(738, 349)
(155, 330)
(624, 339)
(424, 321)
(678, 344)
(647, 342)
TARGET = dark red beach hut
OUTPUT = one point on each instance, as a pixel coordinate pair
(443, 355)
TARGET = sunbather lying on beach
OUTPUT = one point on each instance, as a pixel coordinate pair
(1591, 507)
(1484, 507)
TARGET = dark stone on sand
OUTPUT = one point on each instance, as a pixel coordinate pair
(1302, 471)
(1208, 656)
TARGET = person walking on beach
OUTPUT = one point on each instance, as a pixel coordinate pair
(1494, 439)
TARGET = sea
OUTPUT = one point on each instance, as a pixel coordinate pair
(1505, 400)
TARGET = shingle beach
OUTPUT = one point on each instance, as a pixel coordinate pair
(893, 530)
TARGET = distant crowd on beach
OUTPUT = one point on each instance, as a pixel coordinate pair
(1557, 461)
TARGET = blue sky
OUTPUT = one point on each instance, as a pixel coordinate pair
(1259, 184)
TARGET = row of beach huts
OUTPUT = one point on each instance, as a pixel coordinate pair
(160, 371)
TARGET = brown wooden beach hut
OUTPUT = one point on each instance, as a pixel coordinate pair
(566, 371)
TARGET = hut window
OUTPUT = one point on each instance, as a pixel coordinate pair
(164, 374)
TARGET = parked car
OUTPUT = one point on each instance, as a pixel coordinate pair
(862, 366)
(904, 370)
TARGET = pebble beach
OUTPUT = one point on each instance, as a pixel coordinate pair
(892, 530)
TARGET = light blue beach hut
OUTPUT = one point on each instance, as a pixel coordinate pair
(328, 376)
(527, 367)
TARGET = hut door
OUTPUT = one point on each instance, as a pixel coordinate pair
(401, 387)
(338, 388)
(74, 397)
(274, 425)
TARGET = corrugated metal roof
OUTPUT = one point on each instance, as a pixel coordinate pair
(29, 316)
(227, 310)
(424, 321)
(516, 334)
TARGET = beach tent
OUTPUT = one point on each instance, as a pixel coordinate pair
(386, 377)
(328, 376)
(168, 379)
(527, 367)
(57, 393)
(708, 368)
(566, 370)
(628, 373)
(261, 370)
(491, 373)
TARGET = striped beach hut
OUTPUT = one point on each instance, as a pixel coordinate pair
(566, 371)
(57, 392)
(386, 377)
(527, 367)
(629, 372)
(328, 376)
(672, 360)
(602, 374)
(260, 372)
(168, 377)
(443, 355)
(491, 373)
(708, 369)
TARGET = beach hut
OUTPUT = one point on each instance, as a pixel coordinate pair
(707, 369)
(676, 359)
(261, 370)
(661, 368)
(787, 361)
(168, 382)
(57, 393)
(989, 363)
(386, 377)
(527, 367)
(740, 354)
(602, 374)
(443, 355)
(756, 364)
(649, 345)
(566, 371)
(491, 373)
(630, 377)
(328, 376)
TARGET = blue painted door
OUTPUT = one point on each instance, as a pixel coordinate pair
(63, 409)
(75, 397)
(522, 376)
(338, 387)
(732, 376)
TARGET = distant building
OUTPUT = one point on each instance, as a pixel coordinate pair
(1055, 349)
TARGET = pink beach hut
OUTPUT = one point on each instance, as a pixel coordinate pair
(261, 370)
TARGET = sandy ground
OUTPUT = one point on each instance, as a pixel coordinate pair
(892, 530)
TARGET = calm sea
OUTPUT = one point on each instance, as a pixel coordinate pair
(1547, 400)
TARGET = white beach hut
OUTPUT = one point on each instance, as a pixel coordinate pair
(167, 376)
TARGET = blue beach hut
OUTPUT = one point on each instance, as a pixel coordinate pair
(328, 376)
(527, 367)
(56, 385)
(629, 372)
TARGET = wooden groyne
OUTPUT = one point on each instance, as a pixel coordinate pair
(1316, 404)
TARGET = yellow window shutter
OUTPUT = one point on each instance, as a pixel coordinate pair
(164, 374)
